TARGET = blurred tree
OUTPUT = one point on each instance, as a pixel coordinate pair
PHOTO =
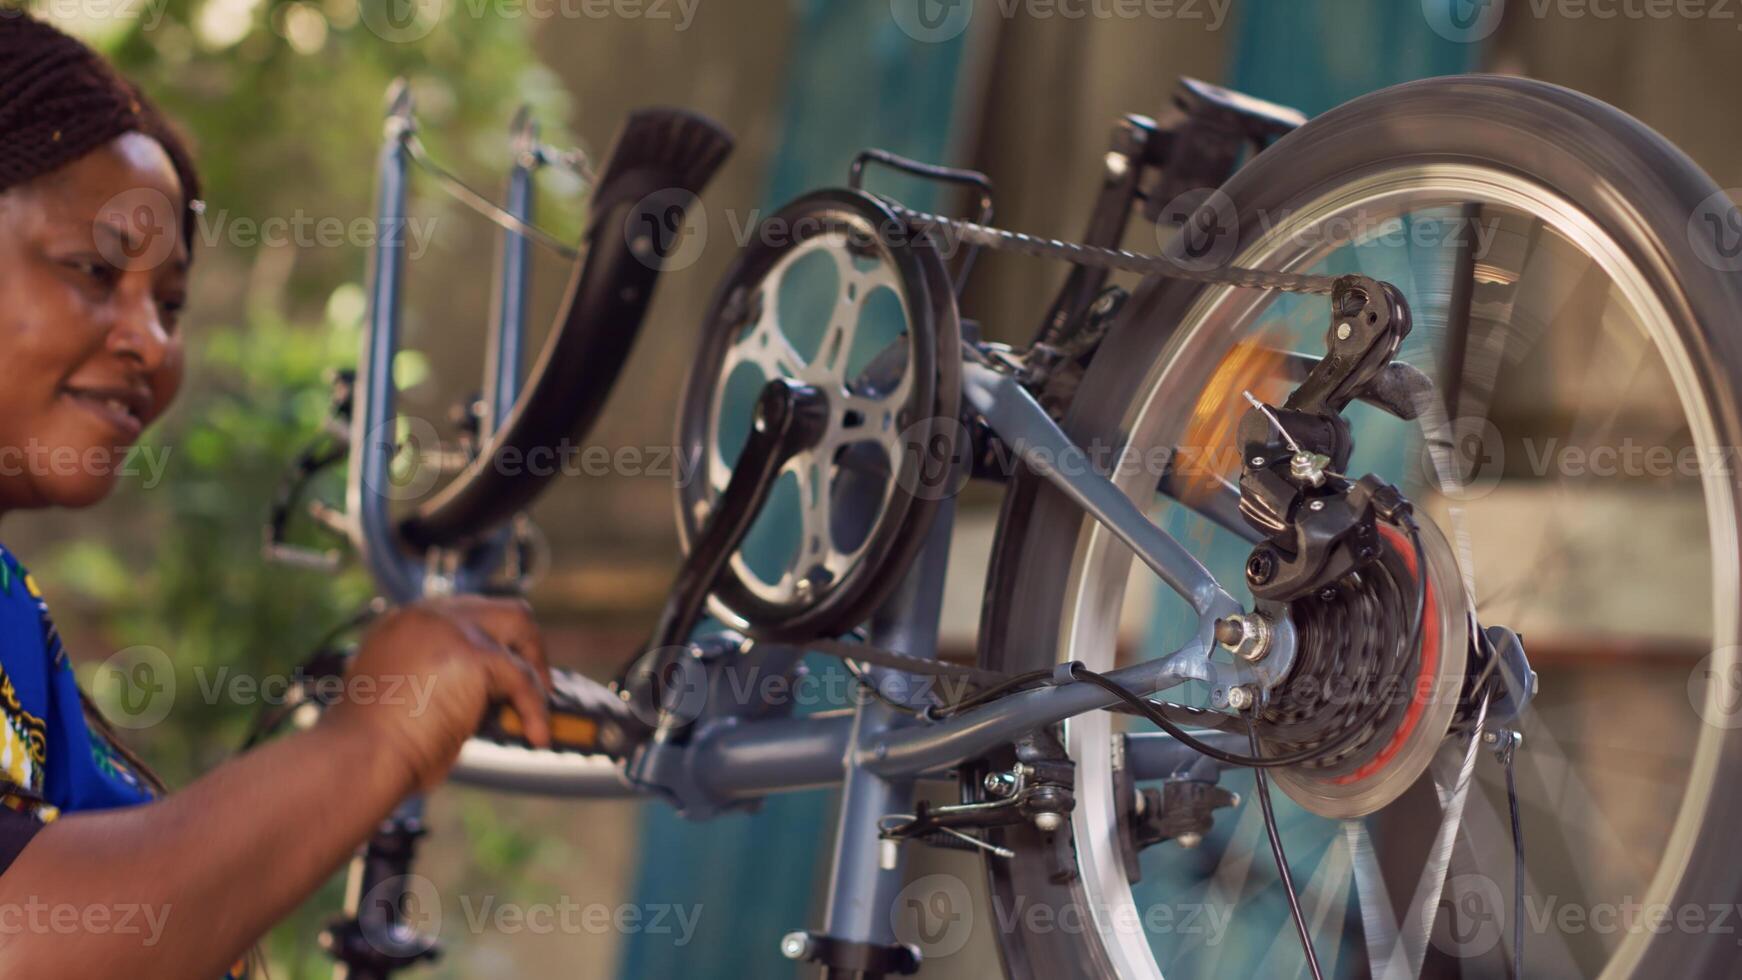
(283, 102)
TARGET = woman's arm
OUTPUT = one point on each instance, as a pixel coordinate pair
(180, 887)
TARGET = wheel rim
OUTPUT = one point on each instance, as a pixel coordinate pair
(1096, 592)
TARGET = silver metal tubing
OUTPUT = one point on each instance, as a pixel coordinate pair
(373, 424)
(1024, 425)
(508, 768)
(750, 759)
(974, 732)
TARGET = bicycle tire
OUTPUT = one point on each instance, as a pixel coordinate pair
(1625, 178)
(662, 158)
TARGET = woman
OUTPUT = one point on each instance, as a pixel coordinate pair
(97, 195)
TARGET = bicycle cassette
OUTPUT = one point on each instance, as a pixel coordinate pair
(1332, 678)
(838, 292)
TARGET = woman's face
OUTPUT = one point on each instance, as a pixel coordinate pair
(93, 270)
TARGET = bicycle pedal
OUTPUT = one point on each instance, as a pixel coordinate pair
(586, 717)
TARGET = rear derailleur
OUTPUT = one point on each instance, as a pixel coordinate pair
(1319, 525)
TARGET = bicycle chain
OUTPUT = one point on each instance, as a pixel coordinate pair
(1115, 259)
(1077, 253)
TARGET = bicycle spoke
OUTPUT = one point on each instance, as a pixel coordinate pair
(816, 544)
(1330, 885)
(1379, 926)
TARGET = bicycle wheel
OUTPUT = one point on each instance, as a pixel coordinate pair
(1582, 313)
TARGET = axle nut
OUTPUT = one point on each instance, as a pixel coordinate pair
(1247, 635)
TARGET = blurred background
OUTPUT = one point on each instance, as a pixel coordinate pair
(284, 102)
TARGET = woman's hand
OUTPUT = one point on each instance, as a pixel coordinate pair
(427, 672)
(237, 850)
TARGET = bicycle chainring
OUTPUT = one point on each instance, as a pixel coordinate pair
(839, 292)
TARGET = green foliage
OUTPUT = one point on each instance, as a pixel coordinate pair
(283, 103)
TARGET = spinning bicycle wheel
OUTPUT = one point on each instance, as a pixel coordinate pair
(835, 292)
(1580, 324)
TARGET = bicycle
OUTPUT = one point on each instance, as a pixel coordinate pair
(1328, 626)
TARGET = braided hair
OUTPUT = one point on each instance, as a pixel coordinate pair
(59, 100)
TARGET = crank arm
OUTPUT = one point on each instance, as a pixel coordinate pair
(789, 418)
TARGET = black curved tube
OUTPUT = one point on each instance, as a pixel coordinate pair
(662, 158)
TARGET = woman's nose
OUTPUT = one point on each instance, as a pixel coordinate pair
(139, 334)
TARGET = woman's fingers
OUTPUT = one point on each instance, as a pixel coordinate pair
(508, 622)
(512, 680)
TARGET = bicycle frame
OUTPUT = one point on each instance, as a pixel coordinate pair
(732, 756)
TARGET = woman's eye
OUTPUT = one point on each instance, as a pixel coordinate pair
(96, 270)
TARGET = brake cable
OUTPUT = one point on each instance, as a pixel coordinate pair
(460, 191)
(1517, 856)
(1282, 871)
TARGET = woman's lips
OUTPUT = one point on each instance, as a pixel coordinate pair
(121, 411)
